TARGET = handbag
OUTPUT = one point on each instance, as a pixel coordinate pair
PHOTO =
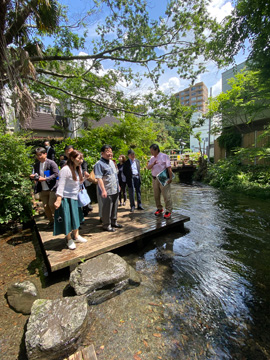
(92, 177)
(83, 197)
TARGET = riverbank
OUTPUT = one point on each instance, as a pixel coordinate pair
(230, 175)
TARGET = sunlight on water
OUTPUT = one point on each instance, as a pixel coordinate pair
(205, 294)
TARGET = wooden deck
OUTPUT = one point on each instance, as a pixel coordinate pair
(88, 353)
(137, 225)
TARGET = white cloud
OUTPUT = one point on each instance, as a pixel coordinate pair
(172, 85)
(198, 79)
(217, 88)
(219, 9)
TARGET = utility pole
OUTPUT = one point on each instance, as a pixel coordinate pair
(209, 131)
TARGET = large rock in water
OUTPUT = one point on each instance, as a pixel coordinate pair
(56, 328)
(21, 296)
(103, 277)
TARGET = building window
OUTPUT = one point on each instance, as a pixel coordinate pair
(193, 88)
(193, 98)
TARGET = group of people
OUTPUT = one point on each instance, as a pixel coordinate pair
(59, 189)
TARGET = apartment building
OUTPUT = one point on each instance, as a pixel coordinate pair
(196, 95)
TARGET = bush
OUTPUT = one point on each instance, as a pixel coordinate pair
(229, 174)
(223, 174)
(15, 185)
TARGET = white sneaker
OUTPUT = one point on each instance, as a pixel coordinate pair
(71, 244)
(80, 239)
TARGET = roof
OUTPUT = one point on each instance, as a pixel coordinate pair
(42, 121)
(107, 120)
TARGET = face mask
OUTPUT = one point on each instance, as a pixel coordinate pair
(46, 147)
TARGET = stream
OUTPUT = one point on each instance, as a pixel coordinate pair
(204, 294)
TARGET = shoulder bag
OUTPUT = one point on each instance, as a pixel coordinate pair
(83, 197)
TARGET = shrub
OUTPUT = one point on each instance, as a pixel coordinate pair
(229, 174)
(15, 185)
(223, 174)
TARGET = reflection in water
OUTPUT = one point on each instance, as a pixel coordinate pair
(205, 294)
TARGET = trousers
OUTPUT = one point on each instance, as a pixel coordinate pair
(48, 198)
(166, 193)
(109, 210)
(136, 186)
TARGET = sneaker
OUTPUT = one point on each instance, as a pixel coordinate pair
(167, 215)
(109, 228)
(71, 244)
(80, 239)
(118, 226)
(159, 212)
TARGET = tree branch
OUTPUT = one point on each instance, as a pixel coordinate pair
(104, 57)
(65, 76)
(18, 24)
(98, 103)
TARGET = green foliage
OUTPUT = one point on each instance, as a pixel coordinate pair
(167, 111)
(224, 173)
(246, 28)
(253, 154)
(230, 139)
(15, 185)
(245, 102)
(229, 174)
(40, 43)
(130, 133)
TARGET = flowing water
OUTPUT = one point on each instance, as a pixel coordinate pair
(204, 294)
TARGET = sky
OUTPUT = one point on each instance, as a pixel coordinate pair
(169, 82)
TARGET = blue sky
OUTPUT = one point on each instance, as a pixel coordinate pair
(170, 80)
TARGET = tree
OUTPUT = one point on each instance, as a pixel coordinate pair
(15, 184)
(127, 38)
(167, 110)
(239, 107)
(247, 28)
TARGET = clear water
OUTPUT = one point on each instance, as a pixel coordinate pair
(204, 294)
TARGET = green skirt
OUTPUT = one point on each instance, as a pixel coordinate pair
(68, 217)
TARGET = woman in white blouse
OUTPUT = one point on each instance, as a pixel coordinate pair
(68, 215)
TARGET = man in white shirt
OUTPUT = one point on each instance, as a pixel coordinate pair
(131, 169)
(50, 151)
(45, 174)
(159, 162)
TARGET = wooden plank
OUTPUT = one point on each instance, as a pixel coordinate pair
(78, 355)
(89, 353)
(137, 225)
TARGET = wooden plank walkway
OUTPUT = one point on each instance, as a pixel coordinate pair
(88, 353)
(137, 225)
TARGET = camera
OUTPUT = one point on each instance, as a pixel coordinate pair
(36, 176)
